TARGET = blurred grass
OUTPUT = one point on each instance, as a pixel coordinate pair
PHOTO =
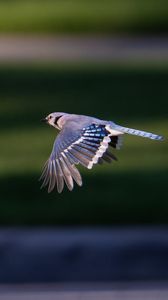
(105, 199)
(76, 16)
(116, 94)
(132, 190)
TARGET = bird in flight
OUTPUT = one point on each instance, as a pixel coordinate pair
(82, 140)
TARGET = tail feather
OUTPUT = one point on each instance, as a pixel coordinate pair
(141, 133)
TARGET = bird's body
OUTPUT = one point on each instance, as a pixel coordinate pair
(82, 140)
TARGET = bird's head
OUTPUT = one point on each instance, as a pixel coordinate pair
(54, 119)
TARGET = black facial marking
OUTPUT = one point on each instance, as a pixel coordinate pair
(56, 120)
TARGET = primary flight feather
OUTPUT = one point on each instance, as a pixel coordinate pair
(82, 140)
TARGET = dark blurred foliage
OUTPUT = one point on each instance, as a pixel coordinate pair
(106, 199)
(108, 93)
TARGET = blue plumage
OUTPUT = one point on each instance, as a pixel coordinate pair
(95, 131)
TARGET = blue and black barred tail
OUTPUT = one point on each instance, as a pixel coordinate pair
(141, 133)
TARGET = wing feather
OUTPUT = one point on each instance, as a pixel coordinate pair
(73, 170)
(72, 159)
(60, 181)
(84, 151)
(66, 174)
(44, 170)
(83, 160)
(46, 177)
(52, 177)
(86, 146)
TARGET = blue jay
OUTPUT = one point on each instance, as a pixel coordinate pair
(82, 140)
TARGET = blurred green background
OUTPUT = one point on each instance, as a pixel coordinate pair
(89, 16)
(132, 190)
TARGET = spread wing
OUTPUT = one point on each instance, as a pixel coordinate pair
(86, 146)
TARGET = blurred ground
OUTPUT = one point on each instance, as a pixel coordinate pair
(137, 50)
(102, 254)
(85, 291)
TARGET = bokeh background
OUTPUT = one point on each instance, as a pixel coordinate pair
(132, 190)
(129, 86)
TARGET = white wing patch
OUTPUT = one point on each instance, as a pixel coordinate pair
(113, 131)
(104, 145)
(91, 147)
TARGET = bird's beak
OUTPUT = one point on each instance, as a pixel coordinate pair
(45, 120)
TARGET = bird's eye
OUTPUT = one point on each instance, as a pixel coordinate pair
(50, 117)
